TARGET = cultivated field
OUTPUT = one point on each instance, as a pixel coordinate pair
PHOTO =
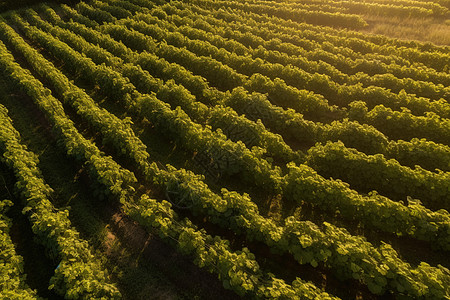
(212, 149)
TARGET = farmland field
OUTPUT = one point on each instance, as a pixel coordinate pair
(225, 149)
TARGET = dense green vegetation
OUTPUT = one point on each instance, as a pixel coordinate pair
(266, 142)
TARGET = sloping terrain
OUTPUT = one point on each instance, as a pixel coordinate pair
(223, 149)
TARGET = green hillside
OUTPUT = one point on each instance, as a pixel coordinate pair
(212, 149)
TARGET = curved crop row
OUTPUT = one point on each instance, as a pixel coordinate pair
(288, 124)
(373, 172)
(240, 40)
(231, 158)
(363, 46)
(235, 127)
(237, 270)
(133, 38)
(308, 42)
(113, 132)
(402, 124)
(393, 9)
(183, 183)
(335, 19)
(246, 276)
(12, 282)
(294, 76)
(435, 60)
(313, 106)
(80, 274)
(268, 178)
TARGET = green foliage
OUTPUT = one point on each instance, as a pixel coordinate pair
(12, 279)
(238, 270)
(80, 274)
(402, 124)
(225, 79)
(304, 184)
(232, 87)
(375, 172)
